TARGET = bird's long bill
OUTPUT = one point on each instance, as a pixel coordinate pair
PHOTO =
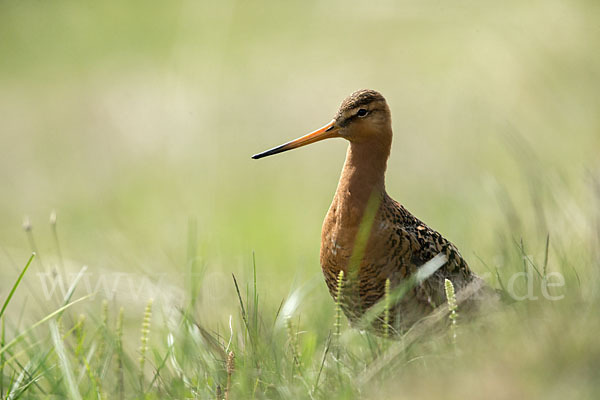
(325, 132)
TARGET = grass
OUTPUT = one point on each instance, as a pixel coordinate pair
(131, 126)
(264, 354)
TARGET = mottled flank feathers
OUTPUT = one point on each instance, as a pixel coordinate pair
(398, 245)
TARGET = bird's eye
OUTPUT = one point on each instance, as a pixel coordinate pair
(362, 113)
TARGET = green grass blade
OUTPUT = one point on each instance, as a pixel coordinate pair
(65, 366)
(12, 291)
(237, 289)
(48, 317)
(2, 338)
(73, 286)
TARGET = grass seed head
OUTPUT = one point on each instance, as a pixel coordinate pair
(27, 227)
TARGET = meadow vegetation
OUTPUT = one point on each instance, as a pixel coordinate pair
(168, 264)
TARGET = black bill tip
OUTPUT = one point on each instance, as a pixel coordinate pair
(270, 152)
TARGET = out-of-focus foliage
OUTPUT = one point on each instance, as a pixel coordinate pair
(136, 121)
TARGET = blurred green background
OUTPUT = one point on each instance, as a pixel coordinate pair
(131, 119)
(136, 121)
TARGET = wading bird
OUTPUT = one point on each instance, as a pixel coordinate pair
(369, 236)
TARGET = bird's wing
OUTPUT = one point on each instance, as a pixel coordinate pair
(419, 244)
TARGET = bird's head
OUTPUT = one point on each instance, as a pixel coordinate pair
(363, 117)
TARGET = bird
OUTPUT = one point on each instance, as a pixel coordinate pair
(372, 245)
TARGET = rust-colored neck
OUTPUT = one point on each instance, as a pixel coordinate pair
(363, 173)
